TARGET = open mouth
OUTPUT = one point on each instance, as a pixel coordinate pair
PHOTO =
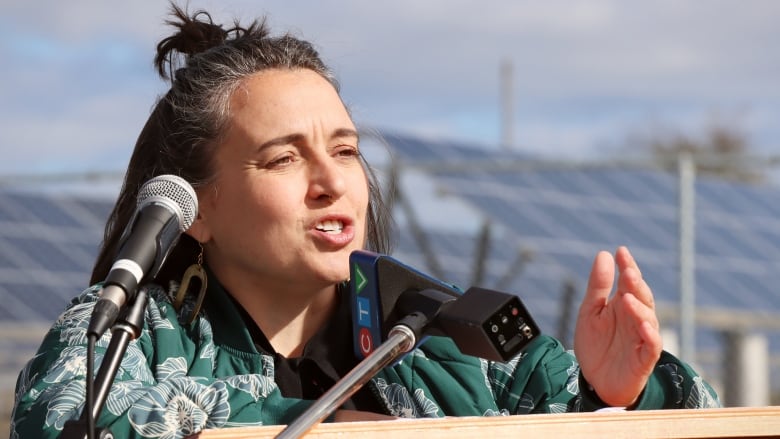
(330, 226)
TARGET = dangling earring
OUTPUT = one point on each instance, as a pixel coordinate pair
(195, 271)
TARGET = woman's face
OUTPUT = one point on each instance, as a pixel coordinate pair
(290, 197)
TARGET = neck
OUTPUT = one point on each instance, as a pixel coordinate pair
(289, 322)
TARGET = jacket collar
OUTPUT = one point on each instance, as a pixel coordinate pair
(227, 324)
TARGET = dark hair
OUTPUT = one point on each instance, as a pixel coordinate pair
(205, 64)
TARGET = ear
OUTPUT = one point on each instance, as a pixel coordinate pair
(200, 230)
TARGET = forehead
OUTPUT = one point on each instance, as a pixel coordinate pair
(277, 95)
(278, 105)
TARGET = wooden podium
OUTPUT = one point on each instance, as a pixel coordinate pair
(755, 422)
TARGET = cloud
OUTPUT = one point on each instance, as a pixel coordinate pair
(78, 77)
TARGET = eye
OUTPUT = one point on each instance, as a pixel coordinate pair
(281, 161)
(347, 151)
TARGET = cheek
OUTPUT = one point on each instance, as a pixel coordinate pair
(360, 199)
(238, 207)
(267, 209)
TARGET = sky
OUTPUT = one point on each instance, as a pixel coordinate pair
(78, 82)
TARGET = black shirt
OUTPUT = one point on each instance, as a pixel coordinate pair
(326, 357)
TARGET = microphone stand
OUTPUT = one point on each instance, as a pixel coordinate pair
(125, 329)
(483, 323)
(401, 339)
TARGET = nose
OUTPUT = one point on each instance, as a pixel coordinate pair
(326, 179)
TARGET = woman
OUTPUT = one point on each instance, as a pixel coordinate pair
(255, 123)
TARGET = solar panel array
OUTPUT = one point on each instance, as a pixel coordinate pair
(559, 217)
(569, 213)
(48, 244)
(563, 215)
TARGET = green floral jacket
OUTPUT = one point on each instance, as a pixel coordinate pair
(177, 379)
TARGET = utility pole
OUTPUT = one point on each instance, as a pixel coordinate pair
(687, 223)
(506, 93)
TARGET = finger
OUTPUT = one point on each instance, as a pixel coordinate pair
(600, 282)
(630, 281)
(637, 314)
(625, 259)
(651, 348)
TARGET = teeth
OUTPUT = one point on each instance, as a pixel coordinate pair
(330, 226)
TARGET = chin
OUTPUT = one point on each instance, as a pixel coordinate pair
(333, 275)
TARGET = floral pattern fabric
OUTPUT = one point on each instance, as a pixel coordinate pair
(178, 379)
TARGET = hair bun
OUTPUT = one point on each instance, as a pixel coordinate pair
(195, 34)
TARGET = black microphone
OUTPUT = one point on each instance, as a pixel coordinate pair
(167, 206)
(483, 323)
(373, 306)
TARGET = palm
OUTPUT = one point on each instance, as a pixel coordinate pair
(617, 340)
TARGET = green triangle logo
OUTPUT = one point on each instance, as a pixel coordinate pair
(360, 281)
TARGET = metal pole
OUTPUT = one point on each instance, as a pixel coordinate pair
(507, 109)
(400, 340)
(687, 194)
(480, 256)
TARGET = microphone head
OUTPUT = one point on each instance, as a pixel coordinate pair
(173, 192)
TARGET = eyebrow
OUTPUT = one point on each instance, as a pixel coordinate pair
(345, 132)
(297, 137)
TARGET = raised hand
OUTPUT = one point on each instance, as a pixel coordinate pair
(617, 339)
